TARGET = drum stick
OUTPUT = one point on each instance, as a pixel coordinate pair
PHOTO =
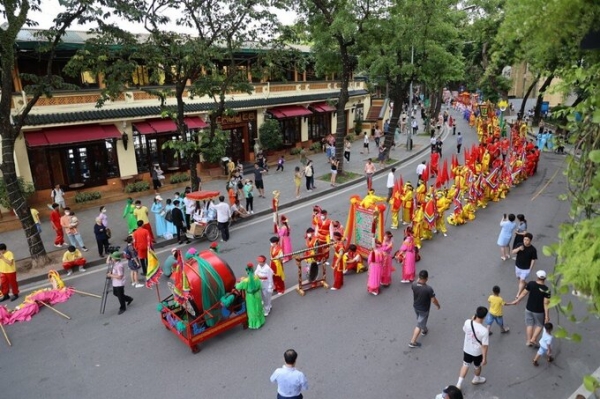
(55, 310)
(5, 335)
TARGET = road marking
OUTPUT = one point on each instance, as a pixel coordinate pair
(582, 392)
(546, 185)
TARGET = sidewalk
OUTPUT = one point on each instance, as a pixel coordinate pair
(282, 181)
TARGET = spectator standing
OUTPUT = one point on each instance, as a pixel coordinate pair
(101, 238)
(369, 172)
(520, 231)
(70, 222)
(308, 175)
(475, 347)
(334, 170)
(423, 297)
(258, 180)
(280, 164)
(8, 274)
(249, 195)
(290, 381)
(179, 222)
(365, 143)
(347, 149)
(103, 217)
(154, 177)
(35, 215)
(415, 126)
(170, 227)
(133, 262)
(223, 217)
(189, 207)
(58, 196)
(377, 136)
(507, 226)
(117, 275)
(59, 241)
(297, 180)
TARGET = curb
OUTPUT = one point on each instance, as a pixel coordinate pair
(162, 244)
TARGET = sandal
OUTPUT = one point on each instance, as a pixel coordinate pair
(505, 330)
(535, 363)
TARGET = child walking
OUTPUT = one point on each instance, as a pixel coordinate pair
(495, 314)
(280, 163)
(297, 180)
(545, 345)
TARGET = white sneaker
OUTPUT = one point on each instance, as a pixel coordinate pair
(478, 380)
(133, 284)
(69, 272)
(82, 269)
(138, 285)
(310, 191)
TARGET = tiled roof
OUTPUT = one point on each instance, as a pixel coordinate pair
(155, 111)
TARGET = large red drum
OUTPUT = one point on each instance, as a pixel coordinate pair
(201, 279)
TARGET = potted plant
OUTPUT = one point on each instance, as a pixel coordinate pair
(270, 135)
(358, 126)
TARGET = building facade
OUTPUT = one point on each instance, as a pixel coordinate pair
(67, 140)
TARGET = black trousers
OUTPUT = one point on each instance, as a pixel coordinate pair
(119, 292)
(458, 148)
(347, 155)
(144, 264)
(224, 228)
(250, 204)
(102, 247)
(180, 229)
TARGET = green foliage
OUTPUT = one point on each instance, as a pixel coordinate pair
(27, 189)
(316, 147)
(270, 135)
(179, 178)
(213, 149)
(295, 151)
(137, 187)
(85, 196)
(357, 128)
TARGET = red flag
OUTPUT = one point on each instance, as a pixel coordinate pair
(425, 174)
(466, 154)
(444, 172)
(439, 181)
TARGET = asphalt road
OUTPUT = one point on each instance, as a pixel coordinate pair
(350, 344)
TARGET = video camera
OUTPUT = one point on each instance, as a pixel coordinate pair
(113, 248)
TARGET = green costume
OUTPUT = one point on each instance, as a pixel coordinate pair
(129, 216)
(254, 304)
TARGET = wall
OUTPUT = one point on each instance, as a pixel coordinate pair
(127, 161)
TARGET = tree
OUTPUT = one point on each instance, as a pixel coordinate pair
(18, 15)
(416, 41)
(335, 28)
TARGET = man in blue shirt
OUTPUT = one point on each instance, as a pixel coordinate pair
(290, 382)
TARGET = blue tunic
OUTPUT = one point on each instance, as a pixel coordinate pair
(506, 230)
(160, 223)
(170, 226)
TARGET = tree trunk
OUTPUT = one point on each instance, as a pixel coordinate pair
(529, 90)
(182, 129)
(397, 91)
(341, 130)
(540, 98)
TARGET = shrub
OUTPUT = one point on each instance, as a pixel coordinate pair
(295, 151)
(137, 187)
(270, 135)
(316, 147)
(27, 189)
(179, 177)
(86, 196)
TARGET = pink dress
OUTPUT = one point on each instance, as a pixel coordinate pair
(386, 269)
(408, 265)
(376, 259)
(286, 241)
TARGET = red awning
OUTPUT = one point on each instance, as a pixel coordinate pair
(194, 122)
(144, 128)
(163, 125)
(322, 107)
(289, 111)
(72, 134)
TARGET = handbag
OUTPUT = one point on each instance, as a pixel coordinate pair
(108, 233)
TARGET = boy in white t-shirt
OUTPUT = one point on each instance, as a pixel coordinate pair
(475, 346)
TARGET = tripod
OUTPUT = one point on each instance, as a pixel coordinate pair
(106, 287)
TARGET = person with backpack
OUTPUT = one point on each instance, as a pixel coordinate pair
(170, 227)
(133, 262)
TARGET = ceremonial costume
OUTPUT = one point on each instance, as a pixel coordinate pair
(254, 305)
(338, 264)
(129, 216)
(283, 231)
(352, 260)
(55, 220)
(396, 206)
(408, 257)
(277, 266)
(386, 270)
(376, 259)
(265, 274)
(407, 204)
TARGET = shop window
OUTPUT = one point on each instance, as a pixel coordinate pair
(319, 125)
(112, 169)
(291, 131)
(140, 76)
(141, 153)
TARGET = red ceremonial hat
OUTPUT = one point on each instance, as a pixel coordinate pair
(214, 245)
(249, 265)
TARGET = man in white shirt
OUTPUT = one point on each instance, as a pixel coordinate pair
(290, 382)
(420, 169)
(391, 180)
(190, 207)
(265, 274)
(475, 346)
(223, 216)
